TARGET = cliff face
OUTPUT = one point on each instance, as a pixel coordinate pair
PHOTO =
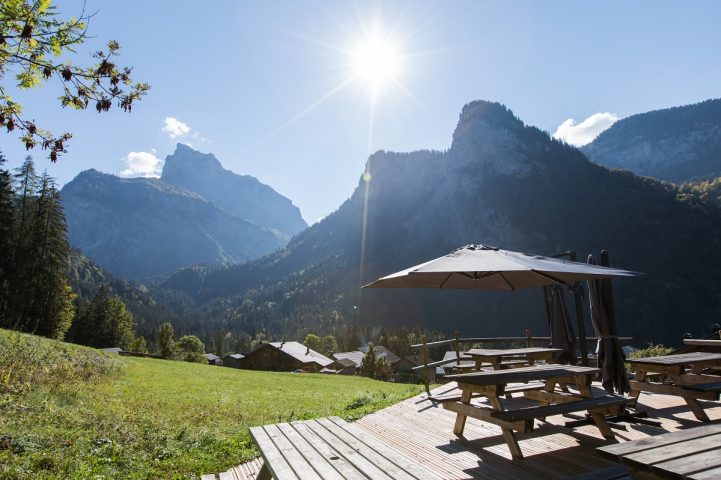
(240, 195)
(140, 228)
(501, 183)
(680, 144)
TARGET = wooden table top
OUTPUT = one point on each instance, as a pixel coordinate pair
(694, 453)
(525, 374)
(682, 359)
(494, 352)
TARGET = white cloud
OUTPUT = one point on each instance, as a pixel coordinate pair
(175, 128)
(580, 134)
(142, 164)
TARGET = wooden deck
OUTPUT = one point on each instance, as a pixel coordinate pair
(423, 431)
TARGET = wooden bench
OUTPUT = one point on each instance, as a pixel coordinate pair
(705, 387)
(330, 448)
(590, 404)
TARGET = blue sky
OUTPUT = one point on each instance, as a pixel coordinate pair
(257, 83)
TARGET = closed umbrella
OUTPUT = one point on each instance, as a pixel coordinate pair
(559, 322)
(608, 349)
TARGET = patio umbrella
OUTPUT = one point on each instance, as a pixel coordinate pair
(488, 268)
(608, 349)
(559, 322)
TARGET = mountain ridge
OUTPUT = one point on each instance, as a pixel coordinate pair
(501, 183)
(677, 144)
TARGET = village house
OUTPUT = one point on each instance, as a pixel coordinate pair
(213, 359)
(285, 357)
(234, 360)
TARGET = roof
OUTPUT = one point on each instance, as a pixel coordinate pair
(302, 353)
(356, 357)
(211, 357)
(113, 350)
(345, 362)
(382, 351)
(236, 356)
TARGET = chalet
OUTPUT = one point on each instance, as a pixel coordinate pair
(285, 357)
(234, 360)
(343, 366)
(213, 359)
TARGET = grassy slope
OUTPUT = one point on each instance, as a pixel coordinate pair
(164, 419)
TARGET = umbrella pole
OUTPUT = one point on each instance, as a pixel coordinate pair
(578, 295)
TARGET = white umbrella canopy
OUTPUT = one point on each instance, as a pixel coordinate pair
(488, 268)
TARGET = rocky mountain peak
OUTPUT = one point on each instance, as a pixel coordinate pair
(186, 161)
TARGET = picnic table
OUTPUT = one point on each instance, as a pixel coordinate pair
(685, 377)
(694, 453)
(511, 357)
(494, 384)
(330, 448)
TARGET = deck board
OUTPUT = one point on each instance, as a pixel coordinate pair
(423, 431)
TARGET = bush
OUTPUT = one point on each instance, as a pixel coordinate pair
(27, 361)
(650, 351)
(190, 349)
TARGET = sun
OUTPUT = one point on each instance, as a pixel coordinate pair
(376, 61)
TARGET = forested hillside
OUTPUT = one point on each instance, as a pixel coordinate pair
(501, 183)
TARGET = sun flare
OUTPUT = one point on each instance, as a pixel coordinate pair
(376, 61)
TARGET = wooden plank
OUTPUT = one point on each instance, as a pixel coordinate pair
(327, 451)
(291, 454)
(705, 387)
(557, 409)
(616, 472)
(702, 341)
(503, 352)
(226, 476)
(676, 450)
(519, 375)
(350, 451)
(377, 458)
(626, 448)
(208, 477)
(485, 414)
(273, 459)
(690, 464)
(408, 465)
(322, 465)
(675, 390)
(681, 359)
(710, 474)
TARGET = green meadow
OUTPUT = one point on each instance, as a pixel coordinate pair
(73, 412)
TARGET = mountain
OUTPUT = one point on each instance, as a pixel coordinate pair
(138, 228)
(679, 144)
(501, 183)
(240, 195)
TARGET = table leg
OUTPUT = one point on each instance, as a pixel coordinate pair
(508, 435)
(639, 376)
(583, 383)
(697, 409)
(460, 418)
(264, 473)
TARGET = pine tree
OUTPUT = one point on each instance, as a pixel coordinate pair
(25, 185)
(166, 340)
(7, 221)
(48, 308)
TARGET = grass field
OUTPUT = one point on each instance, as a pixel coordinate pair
(145, 418)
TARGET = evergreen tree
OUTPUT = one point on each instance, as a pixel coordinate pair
(7, 221)
(25, 184)
(166, 340)
(48, 307)
(368, 364)
(105, 322)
